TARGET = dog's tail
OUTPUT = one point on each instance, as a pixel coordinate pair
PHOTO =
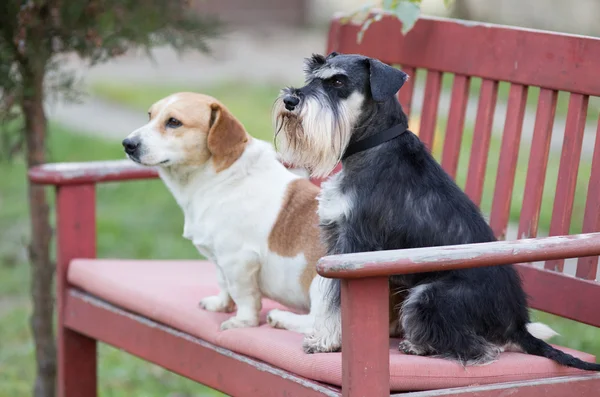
(532, 345)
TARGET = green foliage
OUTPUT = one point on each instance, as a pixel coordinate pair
(407, 11)
(35, 35)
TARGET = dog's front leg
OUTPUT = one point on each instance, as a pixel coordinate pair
(221, 302)
(242, 284)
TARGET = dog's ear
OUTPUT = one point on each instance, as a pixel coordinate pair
(227, 137)
(385, 80)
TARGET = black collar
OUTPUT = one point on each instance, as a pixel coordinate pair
(374, 140)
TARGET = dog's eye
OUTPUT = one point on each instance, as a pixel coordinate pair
(336, 82)
(173, 123)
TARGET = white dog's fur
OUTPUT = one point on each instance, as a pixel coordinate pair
(243, 209)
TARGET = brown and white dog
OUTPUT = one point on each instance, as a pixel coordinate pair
(253, 218)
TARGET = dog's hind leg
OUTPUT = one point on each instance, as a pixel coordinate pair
(435, 324)
(297, 322)
(302, 323)
(327, 333)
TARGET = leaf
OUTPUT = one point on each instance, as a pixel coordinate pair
(408, 12)
(448, 3)
(363, 29)
(388, 5)
(358, 16)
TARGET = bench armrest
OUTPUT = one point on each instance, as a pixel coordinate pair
(90, 172)
(429, 259)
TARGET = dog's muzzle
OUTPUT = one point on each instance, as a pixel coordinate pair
(290, 102)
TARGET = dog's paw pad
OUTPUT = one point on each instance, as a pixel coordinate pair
(216, 304)
(235, 322)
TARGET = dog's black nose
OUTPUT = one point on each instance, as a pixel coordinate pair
(290, 102)
(130, 145)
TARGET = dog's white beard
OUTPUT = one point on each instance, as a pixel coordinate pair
(313, 137)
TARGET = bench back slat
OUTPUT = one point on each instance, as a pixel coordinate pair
(456, 123)
(481, 139)
(587, 267)
(507, 165)
(567, 173)
(538, 164)
(431, 100)
(528, 60)
(405, 95)
(544, 59)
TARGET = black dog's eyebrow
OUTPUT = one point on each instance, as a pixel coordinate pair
(314, 62)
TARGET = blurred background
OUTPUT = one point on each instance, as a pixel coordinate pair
(262, 51)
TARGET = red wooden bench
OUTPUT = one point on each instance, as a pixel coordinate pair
(100, 300)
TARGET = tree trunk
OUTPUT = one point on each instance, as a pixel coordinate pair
(42, 268)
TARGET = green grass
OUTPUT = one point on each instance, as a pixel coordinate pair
(123, 231)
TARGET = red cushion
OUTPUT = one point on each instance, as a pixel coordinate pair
(169, 292)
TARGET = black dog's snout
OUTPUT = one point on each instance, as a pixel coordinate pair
(131, 145)
(290, 102)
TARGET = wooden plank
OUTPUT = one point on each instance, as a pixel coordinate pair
(523, 56)
(547, 290)
(481, 140)
(567, 172)
(509, 154)
(76, 238)
(218, 368)
(456, 123)
(463, 256)
(587, 267)
(365, 338)
(580, 386)
(538, 161)
(89, 172)
(405, 95)
(431, 101)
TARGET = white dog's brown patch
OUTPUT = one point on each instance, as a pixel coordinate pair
(296, 230)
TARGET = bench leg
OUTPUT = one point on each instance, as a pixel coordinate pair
(365, 338)
(76, 364)
(76, 238)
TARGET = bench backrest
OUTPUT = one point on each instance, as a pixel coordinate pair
(499, 57)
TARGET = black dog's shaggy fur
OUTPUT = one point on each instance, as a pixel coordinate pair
(402, 198)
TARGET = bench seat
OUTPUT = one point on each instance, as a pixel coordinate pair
(168, 292)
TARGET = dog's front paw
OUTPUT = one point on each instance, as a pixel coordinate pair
(236, 322)
(407, 347)
(217, 304)
(321, 343)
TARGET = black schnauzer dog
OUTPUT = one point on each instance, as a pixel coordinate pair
(392, 194)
